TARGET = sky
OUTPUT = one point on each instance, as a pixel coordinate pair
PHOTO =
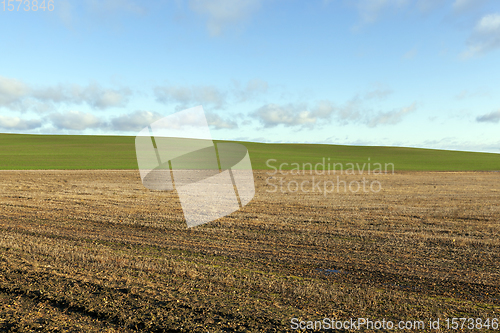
(412, 73)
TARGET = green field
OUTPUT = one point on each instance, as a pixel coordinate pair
(29, 152)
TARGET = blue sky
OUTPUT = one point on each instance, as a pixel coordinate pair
(415, 73)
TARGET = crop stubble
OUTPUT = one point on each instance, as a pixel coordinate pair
(95, 251)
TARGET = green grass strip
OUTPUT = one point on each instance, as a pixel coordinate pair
(72, 152)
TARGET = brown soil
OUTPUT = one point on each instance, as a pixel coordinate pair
(93, 251)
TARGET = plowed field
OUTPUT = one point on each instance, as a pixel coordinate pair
(93, 251)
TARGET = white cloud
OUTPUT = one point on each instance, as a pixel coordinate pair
(16, 123)
(66, 10)
(252, 89)
(370, 10)
(460, 6)
(11, 91)
(219, 123)
(493, 117)
(379, 91)
(191, 96)
(98, 97)
(428, 5)
(485, 37)
(489, 24)
(391, 117)
(355, 110)
(113, 6)
(74, 120)
(257, 85)
(352, 111)
(222, 13)
(20, 96)
(134, 121)
(462, 95)
(271, 115)
(465, 94)
(323, 110)
(209, 96)
(410, 54)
